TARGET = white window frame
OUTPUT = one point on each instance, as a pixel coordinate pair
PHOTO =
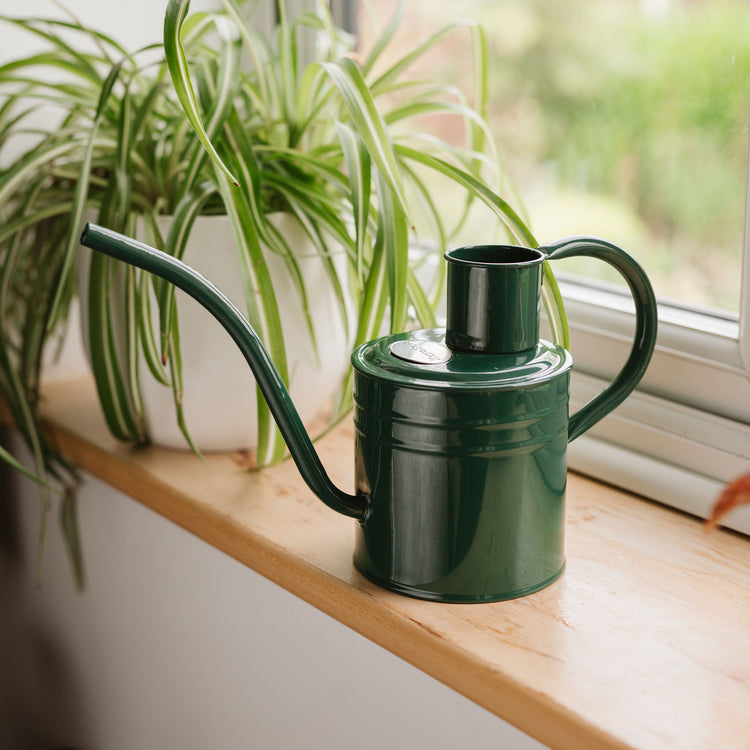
(685, 432)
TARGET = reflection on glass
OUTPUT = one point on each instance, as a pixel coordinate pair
(621, 118)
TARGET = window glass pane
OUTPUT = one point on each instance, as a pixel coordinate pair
(619, 118)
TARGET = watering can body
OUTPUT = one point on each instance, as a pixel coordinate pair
(460, 433)
(465, 471)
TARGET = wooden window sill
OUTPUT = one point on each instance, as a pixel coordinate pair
(644, 642)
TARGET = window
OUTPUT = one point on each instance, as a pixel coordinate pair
(687, 430)
(642, 140)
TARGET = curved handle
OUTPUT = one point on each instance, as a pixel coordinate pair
(645, 325)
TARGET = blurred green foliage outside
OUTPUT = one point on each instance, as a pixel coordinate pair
(622, 118)
(642, 104)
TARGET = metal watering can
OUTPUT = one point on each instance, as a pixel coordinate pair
(461, 434)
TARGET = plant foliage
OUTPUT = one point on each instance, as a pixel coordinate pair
(221, 119)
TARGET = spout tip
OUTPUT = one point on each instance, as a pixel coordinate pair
(85, 233)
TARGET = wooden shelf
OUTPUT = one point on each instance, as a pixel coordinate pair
(643, 643)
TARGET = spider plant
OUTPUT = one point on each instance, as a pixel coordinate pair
(332, 140)
(85, 126)
(222, 119)
(51, 100)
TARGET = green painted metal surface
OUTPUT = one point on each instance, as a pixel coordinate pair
(467, 483)
(461, 434)
(493, 298)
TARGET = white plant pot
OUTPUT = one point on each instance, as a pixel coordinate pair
(64, 358)
(219, 392)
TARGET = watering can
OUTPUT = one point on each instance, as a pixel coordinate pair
(461, 433)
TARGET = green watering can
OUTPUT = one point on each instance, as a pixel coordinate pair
(461, 433)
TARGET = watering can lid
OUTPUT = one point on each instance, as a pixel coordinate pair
(422, 360)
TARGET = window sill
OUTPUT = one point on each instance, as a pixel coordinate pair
(641, 643)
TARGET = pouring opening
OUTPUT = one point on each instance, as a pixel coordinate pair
(495, 255)
(493, 294)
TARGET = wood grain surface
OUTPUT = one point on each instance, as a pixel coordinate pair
(643, 643)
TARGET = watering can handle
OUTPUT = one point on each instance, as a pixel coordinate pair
(645, 325)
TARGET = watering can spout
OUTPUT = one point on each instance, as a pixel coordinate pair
(267, 376)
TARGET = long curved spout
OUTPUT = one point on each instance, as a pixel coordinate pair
(272, 387)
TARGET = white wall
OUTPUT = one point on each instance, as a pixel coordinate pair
(175, 645)
(133, 23)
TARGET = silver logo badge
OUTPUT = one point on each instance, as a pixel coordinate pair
(421, 352)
